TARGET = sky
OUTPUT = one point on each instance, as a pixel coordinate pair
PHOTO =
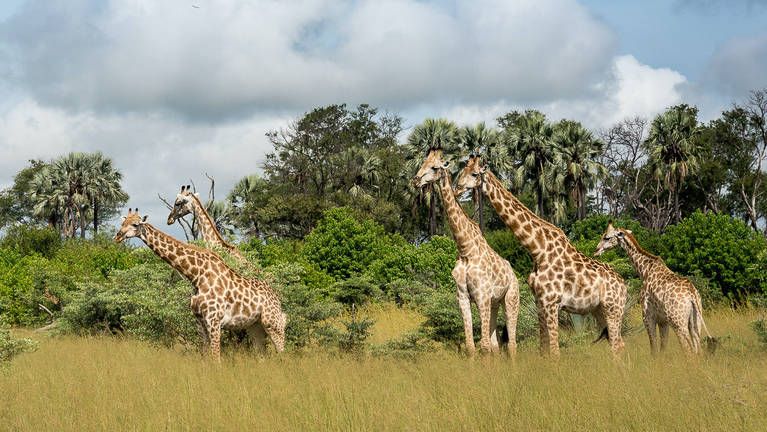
(175, 89)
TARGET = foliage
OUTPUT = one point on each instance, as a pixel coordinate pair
(506, 244)
(353, 340)
(356, 290)
(17, 305)
(720, 248)
(29, 239)
(10, 347)
(341, 245)
(308, 314)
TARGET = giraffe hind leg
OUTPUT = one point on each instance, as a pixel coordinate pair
(511, 308)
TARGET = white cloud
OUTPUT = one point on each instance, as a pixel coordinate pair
(738, 66)
(230, 58)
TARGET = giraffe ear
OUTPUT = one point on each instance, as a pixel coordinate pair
(621, 234)
(629, 231)
(445, 164)
(197, 194)
(483, 169)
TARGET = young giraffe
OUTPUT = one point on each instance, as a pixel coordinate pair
(666, 298)
(186, 203)
(223, 299)
(562, 276)
(480, 273)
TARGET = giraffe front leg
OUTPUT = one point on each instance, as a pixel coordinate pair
(214, 332)
(511, 308)
(468, 332)
(274, 325)
(543, 333)
(551, 316)
(484, 317)
(202, 332)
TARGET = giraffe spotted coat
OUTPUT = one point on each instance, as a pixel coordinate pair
(666, 298)
(562, 277)
(480, 274)
(223, 299)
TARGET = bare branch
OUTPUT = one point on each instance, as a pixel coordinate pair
(212, 191)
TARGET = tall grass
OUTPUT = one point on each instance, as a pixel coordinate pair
(112, 384)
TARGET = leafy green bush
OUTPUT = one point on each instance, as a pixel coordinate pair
(357, 289)
(341, 245)
(29, 239)
(10, 347)
(308, 314)
(719, 248)
(17, 297)
(353, 340)
(507, 246)
(150, 301)
(435, 260)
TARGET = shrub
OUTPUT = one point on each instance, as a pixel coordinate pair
(17, 298)
(29, 239)
(719, 248)
(341, 245)
(10, 347)
(505, 243)
(353, 340)
(435, 259)
(308, 315)
(357, 289)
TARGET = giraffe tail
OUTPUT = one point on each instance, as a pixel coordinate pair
(603, 335)
(697, 317)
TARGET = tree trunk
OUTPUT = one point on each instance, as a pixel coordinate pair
(433, 213)
(677, 211)
(95, 217)
(480, 205)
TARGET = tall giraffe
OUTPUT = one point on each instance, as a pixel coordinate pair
(666, 298)
(480, 273)
(223, 299)
(186, 203)
(562, 276)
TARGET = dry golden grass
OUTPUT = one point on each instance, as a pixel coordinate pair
(110, 384)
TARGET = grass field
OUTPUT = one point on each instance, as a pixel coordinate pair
(112, 384)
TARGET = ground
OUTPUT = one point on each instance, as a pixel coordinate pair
(103, 383)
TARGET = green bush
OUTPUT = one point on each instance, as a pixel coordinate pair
(10, 347)
(341, 245)
(150, 301)
(30, 240)
(357, 289)
(435, 260)
(308, 314)
(17, 289)
(719, 248)
(507, 246)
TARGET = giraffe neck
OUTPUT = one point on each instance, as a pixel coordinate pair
(526, 226)
(207, 227)
(172, 251)
(464, 229)
(642, 260)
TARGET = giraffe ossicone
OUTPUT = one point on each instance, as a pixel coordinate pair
(223, 299)
(667, 299)
(480, 274)
(562, 276)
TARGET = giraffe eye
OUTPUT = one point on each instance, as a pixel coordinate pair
(435, 168)
(474, 174)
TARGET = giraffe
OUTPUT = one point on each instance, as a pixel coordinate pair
(666, 298)
(223, 299)
(562, 276)
(480, 273)
(186, 203)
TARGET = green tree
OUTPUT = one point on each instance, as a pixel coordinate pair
(16, 203)
(432, 133)
(529, 138)
(101, 186)
(576, 165)
(483, 142)
(672, 150)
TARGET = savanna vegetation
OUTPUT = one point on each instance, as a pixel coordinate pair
(362, 261)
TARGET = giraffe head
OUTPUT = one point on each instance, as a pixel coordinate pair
(471, 176)
(432, 168)
(133, 226)
(611, 238)
(183, 205)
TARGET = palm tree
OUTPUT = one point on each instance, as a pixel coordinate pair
(671, 147)
(530, 141)
(436, 134)
(102, 185)
(576, 165)
(244, 200)
(483, 142)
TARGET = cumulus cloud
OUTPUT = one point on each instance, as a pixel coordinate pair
(230, 58)
(739, 65)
